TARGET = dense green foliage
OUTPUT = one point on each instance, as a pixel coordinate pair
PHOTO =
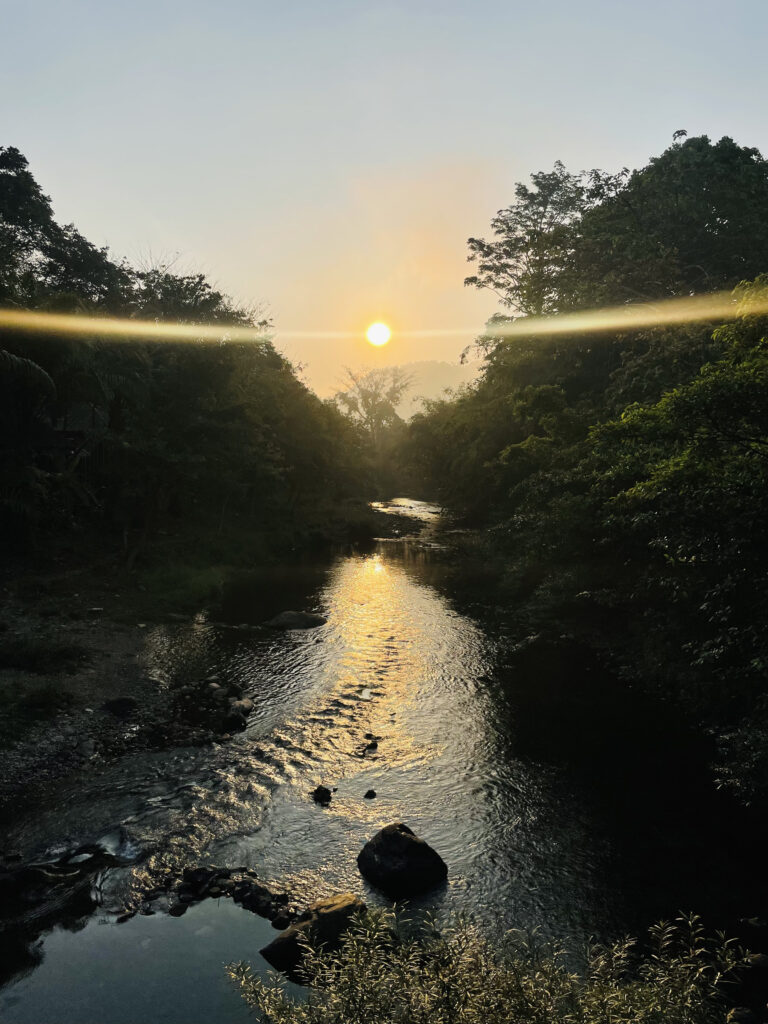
(622, 476)
(458, 978)
(195, 439)
(693, 220)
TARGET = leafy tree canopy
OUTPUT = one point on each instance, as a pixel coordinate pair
(695, 219)
(137, 435)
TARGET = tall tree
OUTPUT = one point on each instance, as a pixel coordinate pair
(694, 219)
(371, 399)
(525, 263)
(38, 257)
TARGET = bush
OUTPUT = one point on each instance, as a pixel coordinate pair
(379, 977)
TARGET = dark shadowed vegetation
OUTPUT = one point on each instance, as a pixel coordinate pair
(621, 476)
(217, 448)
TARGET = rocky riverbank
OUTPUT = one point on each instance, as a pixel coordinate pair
(76, 687)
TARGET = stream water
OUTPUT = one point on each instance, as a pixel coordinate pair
(557, 803)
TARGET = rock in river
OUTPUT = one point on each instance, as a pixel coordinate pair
(244, 706)
(400, 864)
(324, 924)
(297, 620)
(321, 795)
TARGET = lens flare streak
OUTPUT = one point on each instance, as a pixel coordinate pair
(664, 313)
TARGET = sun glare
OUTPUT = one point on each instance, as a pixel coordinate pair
(378, 334)
(723, 305)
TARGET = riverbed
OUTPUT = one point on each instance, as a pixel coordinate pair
(549, 797)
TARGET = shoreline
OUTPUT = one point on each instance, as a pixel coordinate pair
(74, 683)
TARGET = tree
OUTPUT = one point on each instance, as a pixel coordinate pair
(38, 257)
(534, 237)
(371, 399)
(694, 219)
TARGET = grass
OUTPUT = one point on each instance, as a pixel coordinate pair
(380, 977)
(179, 586)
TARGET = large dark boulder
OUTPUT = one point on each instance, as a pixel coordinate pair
(297, 620)
(323, 924)
(400, 864)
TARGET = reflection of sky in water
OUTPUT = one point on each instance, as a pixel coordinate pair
(140, 972)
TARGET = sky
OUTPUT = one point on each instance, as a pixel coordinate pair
(328, 161)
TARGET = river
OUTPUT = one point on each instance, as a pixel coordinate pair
(548, 793)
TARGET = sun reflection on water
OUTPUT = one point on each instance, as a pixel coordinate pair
(394, 693)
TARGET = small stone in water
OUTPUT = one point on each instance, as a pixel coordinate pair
(370, 795)
(80, 858)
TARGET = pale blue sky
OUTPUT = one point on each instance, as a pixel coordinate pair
(330, 159)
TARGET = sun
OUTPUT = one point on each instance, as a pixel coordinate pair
(378, 334)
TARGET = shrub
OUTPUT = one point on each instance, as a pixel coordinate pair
(458, 977)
